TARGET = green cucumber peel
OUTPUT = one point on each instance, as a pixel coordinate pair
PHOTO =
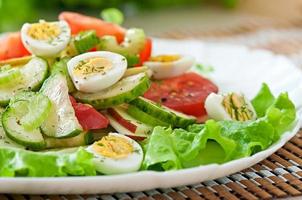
(133, 44)
(85, 41)
(126, 90)
(144, 117)
(83, 139)
(11, 121)
(163, 113)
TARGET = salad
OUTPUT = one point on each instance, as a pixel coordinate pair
(83, 96)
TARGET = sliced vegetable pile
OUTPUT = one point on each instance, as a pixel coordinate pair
(84, 96)
(220, 141)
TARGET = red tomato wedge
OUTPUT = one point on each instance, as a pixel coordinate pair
(12, 47)
(73, 101)
(93, 49)
(125, 123)
(79, 22)
(145, 54)
(185, 93)
(88, 117)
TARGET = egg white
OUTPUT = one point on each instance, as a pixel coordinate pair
(45, 48)
(162, 70)
(131, 163)
(98, 81)
(216, 110)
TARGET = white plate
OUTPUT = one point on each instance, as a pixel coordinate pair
(236, 69)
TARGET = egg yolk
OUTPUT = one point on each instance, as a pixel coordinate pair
(44, 31)
(93, 66)
(113, 147)
(165, 58)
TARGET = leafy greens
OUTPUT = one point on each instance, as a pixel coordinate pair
(222, 141)
(19, 162)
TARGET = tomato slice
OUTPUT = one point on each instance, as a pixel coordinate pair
(185, 93)
(146, 52)
(72, 100)
(12, 46)
(79, 22)
(93, 49)
(125, 123)
(88, 117)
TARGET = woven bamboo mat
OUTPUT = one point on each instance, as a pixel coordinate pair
(279, 176)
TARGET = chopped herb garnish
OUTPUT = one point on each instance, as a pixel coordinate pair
(203, 69)
(136, 151)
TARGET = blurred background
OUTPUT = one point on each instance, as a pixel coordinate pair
(155, 16)
(275, 25)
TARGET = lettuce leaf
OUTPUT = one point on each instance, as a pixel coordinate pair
(281, 115)
(160, 152)
(220, 141)
(188, 148)
(280, 112)
(263, 100)
(250, 137)
(18, 162)
(227, 140)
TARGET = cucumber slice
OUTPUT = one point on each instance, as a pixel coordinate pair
(123, 91)
(133, 44)
(4, 140)
(16, 61)
(81, 43)
(144, 117)
(61, 67)
(9, 77)
(135, 70)
(132, 60)
(120, 115)
(14, 130)
(23, 117)
(85, 40)
(38, 107)
(99, 133)
(61, 122)
(5, 68)
(82, 139)
(69, 51)
(163, 113)
(35, 72)
(122, 130)
(33, 75)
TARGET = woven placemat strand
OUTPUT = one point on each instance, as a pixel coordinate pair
(276, 177)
